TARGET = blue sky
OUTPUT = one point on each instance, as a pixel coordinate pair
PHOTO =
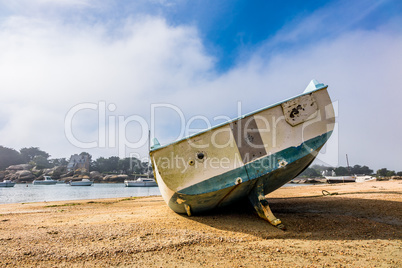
(229, 29)
(202, 58)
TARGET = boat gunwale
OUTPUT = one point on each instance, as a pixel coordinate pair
(238, 118)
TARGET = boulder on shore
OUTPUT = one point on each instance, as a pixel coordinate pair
(56, 172)
(19, 176)
(24, 175)
(95, 175)
(68, 174)
(19, 167)
(115, 178)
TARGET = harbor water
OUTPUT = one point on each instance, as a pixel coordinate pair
(27, 193)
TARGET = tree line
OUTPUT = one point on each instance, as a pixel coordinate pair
(317, 171)
(41, 160)
(131, 165)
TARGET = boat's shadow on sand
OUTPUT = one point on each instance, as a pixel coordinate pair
(331, 218)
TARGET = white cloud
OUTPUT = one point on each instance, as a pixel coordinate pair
(47, 68)
(25, 5)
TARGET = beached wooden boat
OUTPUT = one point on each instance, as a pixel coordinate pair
(249, 156)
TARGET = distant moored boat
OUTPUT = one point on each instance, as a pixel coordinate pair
(47, 180)
(340, 179)
(365, 178)
(7, 183)
(83, 182)
(141, 182)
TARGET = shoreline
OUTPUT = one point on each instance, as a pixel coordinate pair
(64, 192)
(359, 226)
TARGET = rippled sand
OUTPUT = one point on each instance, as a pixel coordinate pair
(361, 226)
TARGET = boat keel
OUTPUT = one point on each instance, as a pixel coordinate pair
(260, 204)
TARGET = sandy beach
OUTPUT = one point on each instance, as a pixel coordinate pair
(359, 226)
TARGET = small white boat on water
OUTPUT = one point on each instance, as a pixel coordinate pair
(340, 179)
(141, 182)
(365, 178)
(7, 183)
(83, 182)
(47, 180)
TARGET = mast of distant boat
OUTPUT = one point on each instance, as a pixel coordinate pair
(149, 149)
(347, 162)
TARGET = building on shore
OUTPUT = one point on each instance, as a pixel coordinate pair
(78, 162)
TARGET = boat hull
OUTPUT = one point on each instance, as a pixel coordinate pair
(365, 178)
(340, 179)
(81, 183)
(47, 180)
(44, 182)
(265, 149)
(7, 184)
(220, 198)
(140, 184)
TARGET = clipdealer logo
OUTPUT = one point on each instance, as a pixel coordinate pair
(113, 129)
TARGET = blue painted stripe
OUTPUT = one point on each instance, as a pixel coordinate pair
(258, 167)
(216, 183)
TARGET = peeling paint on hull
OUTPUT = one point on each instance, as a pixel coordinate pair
(250, 156)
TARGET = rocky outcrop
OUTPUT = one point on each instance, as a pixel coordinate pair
(115, 178)
(19, 167)
(56, 172)
(18, 175)
(95, 175)
(67, 175)
(37, 172)
(67, 179)
(24, 176)
(26, 173)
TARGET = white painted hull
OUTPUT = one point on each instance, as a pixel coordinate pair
(365, 178)
(38, 182)
(340, 179)
(7, 184)
(140, 183)
(81, 183)
(47, 180)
